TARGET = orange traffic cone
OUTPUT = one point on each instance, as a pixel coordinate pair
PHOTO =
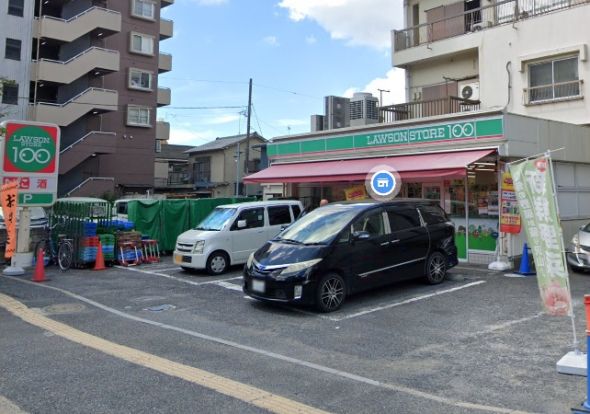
(99, 263)
(39, 274)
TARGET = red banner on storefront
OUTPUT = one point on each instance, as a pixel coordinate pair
(9, 194)
(509, 214)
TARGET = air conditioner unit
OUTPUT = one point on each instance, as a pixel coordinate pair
(476, 27)
(469, 90)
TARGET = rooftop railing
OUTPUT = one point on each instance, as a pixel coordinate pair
(421, 109)
(500, 12)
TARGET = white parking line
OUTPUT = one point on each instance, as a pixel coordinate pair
(178, 279)
(405, 302)
(230, 286)
(414, 392)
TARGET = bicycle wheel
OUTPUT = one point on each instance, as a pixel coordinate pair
(65, 255)
(45, 246)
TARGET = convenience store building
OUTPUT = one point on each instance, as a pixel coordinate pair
(456, 160)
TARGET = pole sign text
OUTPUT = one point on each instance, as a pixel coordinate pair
(30, 157)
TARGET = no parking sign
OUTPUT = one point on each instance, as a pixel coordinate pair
(30, 156)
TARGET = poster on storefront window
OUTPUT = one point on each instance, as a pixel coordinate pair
(356, 192)
(535, 193)
(509, 215)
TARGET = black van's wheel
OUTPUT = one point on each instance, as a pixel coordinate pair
(330, 293)
(436, 268)
(217, 263)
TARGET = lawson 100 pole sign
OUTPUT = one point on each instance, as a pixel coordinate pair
(30, 156)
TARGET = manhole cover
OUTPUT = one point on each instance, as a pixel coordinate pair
(160, 308)
(61, 308)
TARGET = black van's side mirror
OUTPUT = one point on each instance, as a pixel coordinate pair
(360, 235)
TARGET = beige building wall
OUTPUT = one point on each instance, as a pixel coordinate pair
(503, 55)
(455, 67)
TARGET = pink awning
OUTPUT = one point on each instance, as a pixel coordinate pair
(419, 166)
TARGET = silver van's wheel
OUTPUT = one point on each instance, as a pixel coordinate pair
(217, 263)
(330, 293)
(436, 268)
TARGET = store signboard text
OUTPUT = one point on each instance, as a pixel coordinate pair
(476, 129)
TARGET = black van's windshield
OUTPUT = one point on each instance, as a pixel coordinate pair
(216, 219)
(318, 227)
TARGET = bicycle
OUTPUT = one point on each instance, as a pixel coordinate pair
(62, 254)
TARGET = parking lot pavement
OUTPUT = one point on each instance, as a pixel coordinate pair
(476, 343)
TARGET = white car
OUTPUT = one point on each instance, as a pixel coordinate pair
(231, 232)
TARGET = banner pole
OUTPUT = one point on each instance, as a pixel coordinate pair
(576, 344)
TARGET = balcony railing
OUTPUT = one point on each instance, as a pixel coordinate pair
(501, 12)
(421, 109)
(558, 91)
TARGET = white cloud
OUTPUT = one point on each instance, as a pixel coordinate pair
(182, 136)
(271, 41)
(359, 22)
(223, 119)
(394, 81)
(310, 40)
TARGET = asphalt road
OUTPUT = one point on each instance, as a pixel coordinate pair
(161, 340)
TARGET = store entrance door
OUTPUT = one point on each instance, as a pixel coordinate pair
(434, 191)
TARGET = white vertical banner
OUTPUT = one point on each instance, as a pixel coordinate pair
(535, 192)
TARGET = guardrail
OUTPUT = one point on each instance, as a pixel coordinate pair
(65, 62)
(498, 13)
(421, 109)
(73, 144)
(77, 16)
(86, 181)
(76, 97)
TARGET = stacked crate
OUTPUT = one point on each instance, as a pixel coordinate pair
(129, 247)
(107, 242)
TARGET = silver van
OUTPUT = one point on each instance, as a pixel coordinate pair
(230, 233)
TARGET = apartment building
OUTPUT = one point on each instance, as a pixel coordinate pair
(16, 21)
(528, 57)
(94, 72)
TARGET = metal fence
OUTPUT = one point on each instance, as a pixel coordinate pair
(420, 109)
(477, 19)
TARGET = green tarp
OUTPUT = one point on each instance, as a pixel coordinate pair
(164, 220)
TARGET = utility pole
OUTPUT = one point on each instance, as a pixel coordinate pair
(247, 155)
(381, 95)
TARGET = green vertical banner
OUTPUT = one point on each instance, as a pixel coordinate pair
(535, 192)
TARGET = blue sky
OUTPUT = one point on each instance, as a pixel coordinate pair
(296, 52)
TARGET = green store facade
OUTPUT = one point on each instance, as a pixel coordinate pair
(456, 160)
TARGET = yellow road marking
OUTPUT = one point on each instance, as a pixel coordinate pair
(252, 395)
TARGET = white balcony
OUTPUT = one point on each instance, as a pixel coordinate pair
(166, 29)
(163, 130)
(164, 96)
(164, 62)
(101, 22)
(94, 59)
(93, 100)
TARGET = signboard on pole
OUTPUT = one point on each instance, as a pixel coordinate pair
(535, 192)
(509, 215)
(8, 201)
(30, 156)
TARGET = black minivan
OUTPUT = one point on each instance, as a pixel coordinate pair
(346, 247)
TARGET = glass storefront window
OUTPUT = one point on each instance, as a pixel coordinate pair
(483, 210)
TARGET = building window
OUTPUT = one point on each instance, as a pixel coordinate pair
(553, 80)
(16, 7)
(12, 49)
(158, 146)
(202, 170)
(144, 8)
(138, 116)
(10, 93)
(140, 79)
(143, 44)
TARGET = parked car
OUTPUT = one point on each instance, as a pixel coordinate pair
(38, 232)
(231, 232)
(578, 252)
(347, 247)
